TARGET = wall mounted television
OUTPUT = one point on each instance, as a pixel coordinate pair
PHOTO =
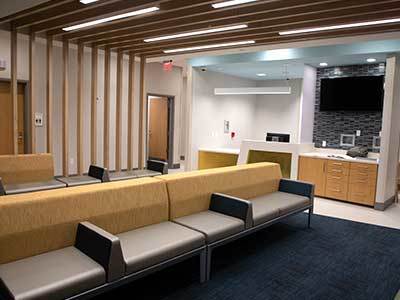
(362, 93)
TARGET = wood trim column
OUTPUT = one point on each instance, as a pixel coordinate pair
(131, 103)
(49, 95)
(142, 112)
(14, 87)
(65, 123)
(106, 142)
(32, 98)
(93, 117)
(118, 119)
(79, 127)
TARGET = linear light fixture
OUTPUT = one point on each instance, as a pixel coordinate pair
(193, 33)
(343, 26)
(87, 1)
(284, 90)
(231, 3)
(209, 47)
(113, 18)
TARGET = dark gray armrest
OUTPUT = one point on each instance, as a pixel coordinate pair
(102, 247)
(300, 188)
(2, 190)
(158, 166)
(234, 207)
(99, 173)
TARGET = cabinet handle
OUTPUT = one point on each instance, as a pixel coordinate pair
(335, 190)
(337, 171)
(334, 177)
(337, 164)
(361, 181)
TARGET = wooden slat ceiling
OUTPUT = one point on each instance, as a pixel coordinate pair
(265, 18)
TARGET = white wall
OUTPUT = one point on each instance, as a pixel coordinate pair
(250, 116)
(307, 105)
(157, 81)
(278, 113)
(389, 151)
(210, 111)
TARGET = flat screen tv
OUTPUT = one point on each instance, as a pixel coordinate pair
(363, 93)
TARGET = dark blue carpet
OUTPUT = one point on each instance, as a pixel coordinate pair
(335, 259)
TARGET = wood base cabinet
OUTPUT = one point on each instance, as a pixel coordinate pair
(347, 181)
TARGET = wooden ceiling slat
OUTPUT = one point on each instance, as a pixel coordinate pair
(247, 14)
(69, 8)
(166, 7)
(263, 21)
(32, 10)
(106, 10)
(204, 12)
(261, 33)
(292, 39)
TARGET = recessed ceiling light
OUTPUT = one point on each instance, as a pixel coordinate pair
(113, 18)
(323, 64)
(261, 74)
(209, 47)
(193, 33)
(333, 27)
(231, 3)
(87, 1)
(371, 60)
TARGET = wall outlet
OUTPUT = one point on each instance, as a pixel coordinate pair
(38, 119)
(324, 144)
(358, 133)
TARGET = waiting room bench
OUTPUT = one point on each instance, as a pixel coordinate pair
(228, 203)
(82, 241)
(154, 168)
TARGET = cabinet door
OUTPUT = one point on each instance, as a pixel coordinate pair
(313, 170)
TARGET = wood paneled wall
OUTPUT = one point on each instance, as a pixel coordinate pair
(80, 104)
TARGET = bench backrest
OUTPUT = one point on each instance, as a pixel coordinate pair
(190, 192)
(26, 168)
(39, 222)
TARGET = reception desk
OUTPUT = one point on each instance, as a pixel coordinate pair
(286, 154)
(252, 151)
(217, 157)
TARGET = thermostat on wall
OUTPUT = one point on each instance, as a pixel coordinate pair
(3, 64)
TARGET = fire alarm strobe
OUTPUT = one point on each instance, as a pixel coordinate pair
(3, 64)
(167, 65)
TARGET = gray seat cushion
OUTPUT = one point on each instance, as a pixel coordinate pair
(153, 244)
(213, 225)
(123, 175)
(78, 180)
(146, 173)
(54, 275)
(271, 206)
(19, 188)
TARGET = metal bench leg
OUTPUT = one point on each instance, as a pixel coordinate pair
(310, 212)
(203, 266)
(209, 254)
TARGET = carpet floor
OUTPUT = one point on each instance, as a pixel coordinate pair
(335, 259)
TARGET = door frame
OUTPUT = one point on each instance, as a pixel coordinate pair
(27, 105)
(171, 118)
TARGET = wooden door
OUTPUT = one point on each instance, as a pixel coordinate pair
(158, 128)
(313, 170)
(6, 119)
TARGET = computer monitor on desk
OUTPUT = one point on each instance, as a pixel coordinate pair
(278, 137)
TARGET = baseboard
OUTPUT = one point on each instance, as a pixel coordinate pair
(382, 206)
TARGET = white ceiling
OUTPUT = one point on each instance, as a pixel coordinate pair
(284, 69)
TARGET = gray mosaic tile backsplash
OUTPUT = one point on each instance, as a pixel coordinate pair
(329, 125)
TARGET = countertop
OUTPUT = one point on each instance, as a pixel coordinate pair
(341, 157)
(221, 150)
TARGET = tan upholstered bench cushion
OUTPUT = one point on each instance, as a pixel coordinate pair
(39, 222)
(190, 192)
